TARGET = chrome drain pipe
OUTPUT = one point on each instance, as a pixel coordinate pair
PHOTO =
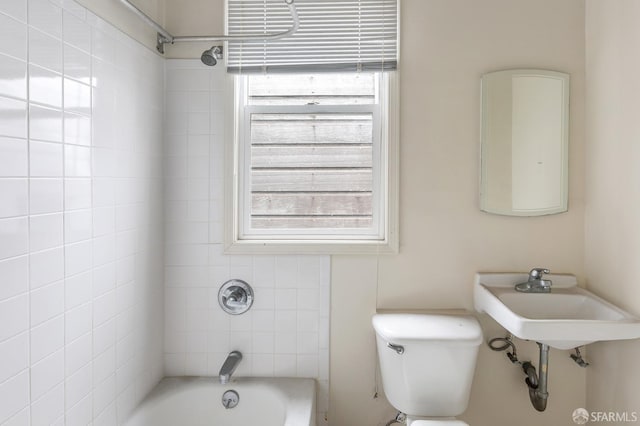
(537, 384)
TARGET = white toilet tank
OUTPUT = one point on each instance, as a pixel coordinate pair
(427, 361)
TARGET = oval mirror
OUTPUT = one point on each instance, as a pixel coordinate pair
(524, 142)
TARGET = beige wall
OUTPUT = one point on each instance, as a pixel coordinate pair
(446, 46)
(191, 18)
(612, 231)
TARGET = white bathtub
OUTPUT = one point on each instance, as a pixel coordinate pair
(197, 401)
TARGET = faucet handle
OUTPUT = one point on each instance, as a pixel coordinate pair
(536, 273)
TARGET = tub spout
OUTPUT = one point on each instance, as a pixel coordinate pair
(229, 366)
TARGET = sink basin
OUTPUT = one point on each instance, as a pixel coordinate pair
(566, 318)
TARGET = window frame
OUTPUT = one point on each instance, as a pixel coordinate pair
(385, 171)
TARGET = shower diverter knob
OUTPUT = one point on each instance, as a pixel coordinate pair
(235, 297)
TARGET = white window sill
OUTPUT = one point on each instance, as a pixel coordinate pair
(311, 247)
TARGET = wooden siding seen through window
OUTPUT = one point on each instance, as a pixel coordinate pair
(311, 167)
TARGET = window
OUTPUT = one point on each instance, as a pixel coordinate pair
(315, 127)
(315, 162)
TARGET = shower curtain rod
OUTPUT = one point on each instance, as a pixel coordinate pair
(165, 36)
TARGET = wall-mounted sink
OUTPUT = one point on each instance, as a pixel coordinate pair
(565, 318)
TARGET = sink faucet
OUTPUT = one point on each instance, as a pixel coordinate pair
(536, 283)
(229, 366)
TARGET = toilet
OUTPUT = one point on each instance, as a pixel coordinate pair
(427, 363)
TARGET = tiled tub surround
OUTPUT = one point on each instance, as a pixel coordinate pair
(80, 228)
(286, 332)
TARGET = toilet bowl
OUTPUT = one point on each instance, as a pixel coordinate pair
(427, 363)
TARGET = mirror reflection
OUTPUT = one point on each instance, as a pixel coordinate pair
(524, 135)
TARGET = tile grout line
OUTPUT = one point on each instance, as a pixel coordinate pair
(28, 134)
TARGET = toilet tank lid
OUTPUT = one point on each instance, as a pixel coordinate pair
(407, 327)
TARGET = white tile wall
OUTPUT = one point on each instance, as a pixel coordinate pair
(286, 332)
(80, 235)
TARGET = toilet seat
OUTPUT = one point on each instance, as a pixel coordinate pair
(443, 422)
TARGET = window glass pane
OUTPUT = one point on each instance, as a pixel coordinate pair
(300, 129)
(311, 170)
(312, 89)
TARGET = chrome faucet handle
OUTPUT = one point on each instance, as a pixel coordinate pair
(537, 273)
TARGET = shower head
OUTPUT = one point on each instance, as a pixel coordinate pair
(210, 57)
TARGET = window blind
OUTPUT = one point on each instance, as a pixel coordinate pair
(334, 35)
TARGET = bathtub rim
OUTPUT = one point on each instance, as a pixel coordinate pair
(297, 392)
